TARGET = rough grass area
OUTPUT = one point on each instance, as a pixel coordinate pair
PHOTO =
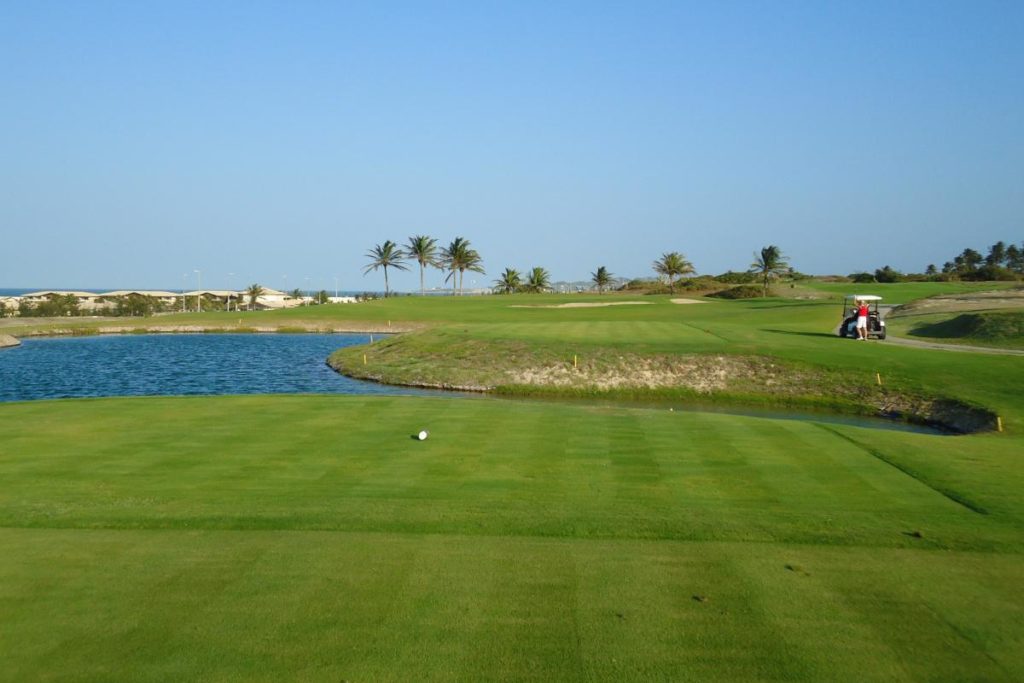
(760, 351)
(311, 538)
(1005, 328)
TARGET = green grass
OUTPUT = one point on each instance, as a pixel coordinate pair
(902, 292)
(1003, 329)
(796, 334)
(311, 538)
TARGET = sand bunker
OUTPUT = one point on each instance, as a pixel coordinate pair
(687, 301)
(585, 305)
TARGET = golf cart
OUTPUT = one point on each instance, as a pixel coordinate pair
(876, 326)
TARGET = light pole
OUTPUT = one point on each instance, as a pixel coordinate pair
(230, 293)
(199, 290)
(184, 278)
(335, 286)
(305, 300)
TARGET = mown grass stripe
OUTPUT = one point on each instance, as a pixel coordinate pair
(951, 495)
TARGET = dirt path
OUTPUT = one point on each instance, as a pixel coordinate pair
(938, 346)
(903, 341)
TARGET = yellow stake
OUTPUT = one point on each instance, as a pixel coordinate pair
(999, 423)
(878, 377)
(574, 360)
(364, 359)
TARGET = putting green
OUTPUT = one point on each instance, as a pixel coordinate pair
(313, 538)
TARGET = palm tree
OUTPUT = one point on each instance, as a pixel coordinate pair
(254, 292)
(423, 250)
(538, 281)
(509, 282)
(769, 263)
(672, 264)
(601, 279)
(385, 256)
(460, 257)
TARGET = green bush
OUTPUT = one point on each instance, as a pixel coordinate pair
(739, 292)
(732, 277)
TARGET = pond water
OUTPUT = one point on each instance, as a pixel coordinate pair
(180, 364)
(217, 364)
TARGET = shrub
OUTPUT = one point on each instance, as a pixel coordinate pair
(739, 292)
(732, 277)
(698, 283)
(888, 274)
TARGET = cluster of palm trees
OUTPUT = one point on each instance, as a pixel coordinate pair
(459, 256)
(456, 258)
(538, 280)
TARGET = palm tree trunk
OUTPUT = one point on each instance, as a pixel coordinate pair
(386, 289)
(422, 291)
(764, 286)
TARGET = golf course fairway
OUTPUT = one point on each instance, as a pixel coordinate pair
(315, 538)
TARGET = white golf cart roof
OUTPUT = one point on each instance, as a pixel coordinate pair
(863, 297)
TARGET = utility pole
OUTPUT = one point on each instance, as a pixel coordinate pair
(199, 290)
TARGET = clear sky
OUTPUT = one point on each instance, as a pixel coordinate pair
(279, 141)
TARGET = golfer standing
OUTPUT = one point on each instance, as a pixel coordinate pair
(862, 320)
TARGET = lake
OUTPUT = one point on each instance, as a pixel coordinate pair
(216, 364)
(180, 364)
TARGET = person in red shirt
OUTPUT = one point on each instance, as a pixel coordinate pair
(862, 320)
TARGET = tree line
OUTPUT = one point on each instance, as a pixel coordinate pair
(1002, 262)
(459, 256)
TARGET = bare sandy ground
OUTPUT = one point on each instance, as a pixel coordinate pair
(687, 301)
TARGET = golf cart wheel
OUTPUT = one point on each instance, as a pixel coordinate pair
(881, 335)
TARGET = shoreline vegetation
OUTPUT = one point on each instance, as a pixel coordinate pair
(718, 379)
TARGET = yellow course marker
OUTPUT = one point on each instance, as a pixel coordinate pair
(878, 377)
(999, 423)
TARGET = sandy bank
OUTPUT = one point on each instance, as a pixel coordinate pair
(291, 327)
(7, 340)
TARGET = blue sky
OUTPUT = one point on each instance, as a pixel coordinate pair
(280, 141)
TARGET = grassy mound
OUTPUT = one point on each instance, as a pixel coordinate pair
(986, 326)
(723, 352)
(739, 292)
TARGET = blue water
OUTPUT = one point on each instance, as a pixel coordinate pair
(216, 364)
(178, 365)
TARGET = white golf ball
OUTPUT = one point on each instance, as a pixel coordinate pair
(423, 435)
